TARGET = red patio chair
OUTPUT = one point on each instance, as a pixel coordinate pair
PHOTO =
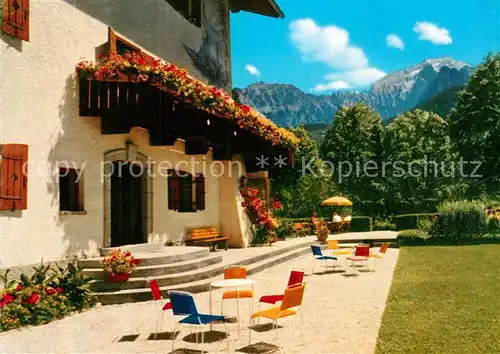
(157, 296)
(361, 255)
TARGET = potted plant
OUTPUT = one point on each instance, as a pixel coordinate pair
(320, 228)
(119, 265)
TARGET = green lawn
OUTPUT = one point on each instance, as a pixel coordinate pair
(443, 300)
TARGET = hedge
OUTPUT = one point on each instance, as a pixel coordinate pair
(361, 223)
(412, 221)
(462, 220)
(415, 237)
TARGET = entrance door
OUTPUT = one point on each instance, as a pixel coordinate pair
(127, 204)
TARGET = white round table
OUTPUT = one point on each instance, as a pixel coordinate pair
(230, 283)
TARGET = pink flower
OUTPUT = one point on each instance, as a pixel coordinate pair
(8, 298)
(59, 289)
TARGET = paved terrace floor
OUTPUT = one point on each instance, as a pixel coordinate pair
(341, 315)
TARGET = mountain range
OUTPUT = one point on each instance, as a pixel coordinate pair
(394, 94)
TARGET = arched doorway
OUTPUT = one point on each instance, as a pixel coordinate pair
(127, 186)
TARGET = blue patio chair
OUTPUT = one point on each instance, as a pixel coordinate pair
(183, 305)
(318, 255)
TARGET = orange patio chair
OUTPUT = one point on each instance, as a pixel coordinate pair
(236, 272)
(292, 300)
(379, 255)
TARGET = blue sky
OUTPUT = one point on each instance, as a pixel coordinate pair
(324, 45)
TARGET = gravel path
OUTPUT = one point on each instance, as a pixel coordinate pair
(341, 315)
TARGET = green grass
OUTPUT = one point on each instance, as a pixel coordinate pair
(443, 300)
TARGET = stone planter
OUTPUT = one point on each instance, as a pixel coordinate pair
(118, 278)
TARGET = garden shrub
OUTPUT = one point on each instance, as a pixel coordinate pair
(411, 221)
(459, 221)
(413, 237)
(361, 223)
(285, 230)
(384, 224)
(49, 294)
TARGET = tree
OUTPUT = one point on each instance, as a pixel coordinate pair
(475, 125)
(420, 162)
(302, 189)
(353, 146)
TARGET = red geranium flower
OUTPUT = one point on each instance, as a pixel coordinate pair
(50, 291)
(2, 304)
(33, 299)
(243, 204)
(8, 298)
(19, 287)
(59, 289)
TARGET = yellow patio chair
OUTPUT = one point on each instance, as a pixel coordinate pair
(292, 300)
(335, 247)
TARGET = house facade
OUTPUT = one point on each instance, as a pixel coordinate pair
(91, 162)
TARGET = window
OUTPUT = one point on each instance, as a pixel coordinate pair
(70, 189)
(13, 177)
(16, 18)
(182, 195)
(190, 9)
(119, 45)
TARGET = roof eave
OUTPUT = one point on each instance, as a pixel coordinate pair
(271, 8)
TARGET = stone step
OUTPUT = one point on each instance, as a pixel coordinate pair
(162, 269)
(167, 255)
(139, 248)
(201, 285)
(163, 280)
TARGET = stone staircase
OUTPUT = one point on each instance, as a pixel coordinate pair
(180, 268)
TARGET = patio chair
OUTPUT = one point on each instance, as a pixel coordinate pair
(380, 254)
(183, 305)
(318, 255)
(361, 255)
(335, 247)
(296, 277)
(292, 300)
(162, 307)
(236, 272)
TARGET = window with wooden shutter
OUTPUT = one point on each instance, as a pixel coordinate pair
(200, 192)
(16, 18)
(180, 191)
(14, 177)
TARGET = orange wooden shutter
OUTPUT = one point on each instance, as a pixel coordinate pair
(16, 18)
(13, 177)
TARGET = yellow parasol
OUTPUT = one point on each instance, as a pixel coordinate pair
(337, 201)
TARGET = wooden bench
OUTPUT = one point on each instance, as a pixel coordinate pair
(210, 236)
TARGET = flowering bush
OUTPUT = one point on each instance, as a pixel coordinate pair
(264, 224)
(43, 297)
(142, 68)
(119, 262)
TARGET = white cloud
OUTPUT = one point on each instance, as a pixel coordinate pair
(357, 78)
(252, 70)
(334, 85)
(395, 41)
(430, 32)
(329, 44)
